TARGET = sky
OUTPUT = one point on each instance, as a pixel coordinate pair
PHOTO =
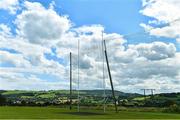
(142, 38)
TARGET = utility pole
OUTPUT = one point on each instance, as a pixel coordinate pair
(144, 94)
(113, 94)
(70, 81)
(152, 92)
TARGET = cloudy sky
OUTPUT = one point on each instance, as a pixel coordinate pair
(142, 36)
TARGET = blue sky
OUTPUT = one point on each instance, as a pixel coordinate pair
(117, 16)
(37, 46)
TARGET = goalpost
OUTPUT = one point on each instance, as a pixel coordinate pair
(104, 57)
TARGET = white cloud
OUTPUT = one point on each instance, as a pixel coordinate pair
(15, 59)
(178, 40)
(155, 50)
(40, 25)
(162, 10)
(145, 65)
(126, 56)
(10, 5)
(165, 13)
(142, 65)
(21, 82)
(4, 30)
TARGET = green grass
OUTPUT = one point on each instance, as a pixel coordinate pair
(141, 98)
(65, 113)
(51, 95)
(26, 97)
(12, 92)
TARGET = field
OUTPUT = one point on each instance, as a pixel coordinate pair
(65, 113)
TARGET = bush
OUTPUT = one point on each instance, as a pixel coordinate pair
(2, 100)
(169, 103)
(173, 109)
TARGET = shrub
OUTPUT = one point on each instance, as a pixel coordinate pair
(173, 109)
(2, 100)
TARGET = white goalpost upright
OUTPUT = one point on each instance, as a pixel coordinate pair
(103, 74)
(101, 47)
(78, 106)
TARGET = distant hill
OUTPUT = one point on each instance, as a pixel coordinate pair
(88, 97)
(55, 93)
(60, 97)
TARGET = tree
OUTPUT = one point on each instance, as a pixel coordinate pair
(2, 100)
(169, 103)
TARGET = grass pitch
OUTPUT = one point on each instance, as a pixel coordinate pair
(65, 113)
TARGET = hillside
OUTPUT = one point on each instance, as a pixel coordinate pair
(55, 93)
(21, 97)
(88, 97)
(159, 100)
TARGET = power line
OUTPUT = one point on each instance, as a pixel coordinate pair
(173, 21)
